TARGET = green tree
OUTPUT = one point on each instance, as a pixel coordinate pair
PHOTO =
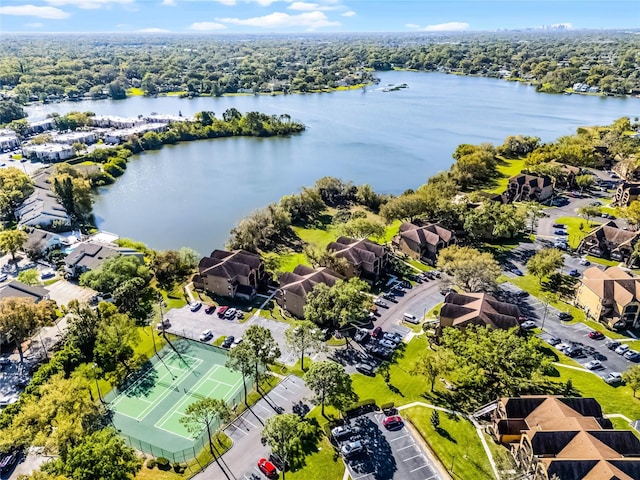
(282, 433)
(264, 229)
(74, 195)
(114, 347)
(533, 211)
(492, 220)
(15, 187)
(30, 277)
(303, 337)
(11, 241)
(365, 195)
(330, 384)
(544, 262)
(242, 359)
(325, 258)
(363, 228)
(304, 206)
(472, 270)
(405, 207)
(202, 414)
(344, 303)
(114, 272)
(431, 365)
(585, 182)
(100, 454)
(264, 348)
(632, 378)
(435, 420)
(10, 111)
(631, 213)
(20, 318)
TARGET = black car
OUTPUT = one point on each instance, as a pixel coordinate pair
(564, 316)
(361, 335)
(8, 461)
(228, 341)
(612, 345)
(366, 369)
(522, 294)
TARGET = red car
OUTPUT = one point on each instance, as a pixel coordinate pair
(393, 422)
(267, 468)
(222, 310)
(596, 335)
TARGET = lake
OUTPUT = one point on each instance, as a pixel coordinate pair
(193, 193)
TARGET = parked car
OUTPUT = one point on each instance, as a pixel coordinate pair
(350, 449)
(612, 345)
(222, 311)
(210, 309)
(613, 378)
(553, 341)
(377, 332)
(236, 342)
(559, 225)
(622, 349)
(342, 431)
(228, 341)
(8, 461)
(392, 336)
(267, 468)
(564, 315)
(366, 369)
(585, 262)
(560, 232)
(5, 361)
(3, 277)
(574, 351)
(381, 303)
(230, 314)
(361, 335)
(517, 272)
(574, 273)
(528, 325)
(46, 275)
(160, 326)
(393, 422)
(240, 315)
(595, 335)
(388, 344)
(593, 365)
(389, 296)
(559, 244)
(206, 336)
(632, 355)
(522, 294)
(195, 306)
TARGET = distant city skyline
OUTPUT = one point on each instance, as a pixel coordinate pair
(292, 16)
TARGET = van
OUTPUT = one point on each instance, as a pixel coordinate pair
(410, 318)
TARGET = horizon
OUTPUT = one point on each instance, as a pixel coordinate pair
(230, 17)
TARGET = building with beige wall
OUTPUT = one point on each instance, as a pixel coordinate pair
(610, 296)
(367, 260)
(296, 285)
(481, 309)
(423, 242)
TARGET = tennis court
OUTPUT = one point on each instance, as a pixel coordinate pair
(148, 410)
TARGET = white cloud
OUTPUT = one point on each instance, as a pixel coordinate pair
(264, 3)
(412, 25)
(34, 11)
(350, 13)
(310, 7)
(447, 27)
(153, 30)
(206, 26)
(88, 4)
(310, 20)
(169, 3)
(227, 2)
(34, 25)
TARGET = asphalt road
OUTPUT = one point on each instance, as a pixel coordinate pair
(246, 431)
(391, 454)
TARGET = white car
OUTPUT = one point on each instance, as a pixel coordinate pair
(236, 342)
(195, 306)
(593, 365)
(381, 303)
(529, 324)
(613, 377)
(352, 448)
(622, 349)
(206, 336)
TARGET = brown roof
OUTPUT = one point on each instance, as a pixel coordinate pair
(303, 278)
(614, 283)
(537, 181)
(355, 251)
(427, 235)
(592, 469)
(611, 233)
(479, 309)
(229, 264)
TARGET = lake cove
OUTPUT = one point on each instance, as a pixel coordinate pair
(193, 193)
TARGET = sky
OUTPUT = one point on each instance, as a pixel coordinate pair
(292, 16)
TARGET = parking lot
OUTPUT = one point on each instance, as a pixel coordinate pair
(188, 324)
(576, 334)
(390, 454)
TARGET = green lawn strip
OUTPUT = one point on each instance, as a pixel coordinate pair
(575, 233)
(295, 369)
(613, 399)
(272, 310)
(622, 424)
(222, 444)
(317, 237)
(391, 231)
(337, 342)
(419, 265)
(219, 341)
(156, 474)
(457, 445)
(324, 464)
(602, 261)
(501, 456)
(135, 92)
(288, 261)
(507, 169)
(174, 298)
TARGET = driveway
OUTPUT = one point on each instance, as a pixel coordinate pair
(391, 454)
(246, 431)
(188, 324)
(64, 291)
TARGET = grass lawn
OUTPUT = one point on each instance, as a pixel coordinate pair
(135, 92)
(317, 237)
(457, 444)
(419, 265)
(321, 465)
(574, 230)
(390, 231)
(602, 261)
(287, 262)
(507, 169)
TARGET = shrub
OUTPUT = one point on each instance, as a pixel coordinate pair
(179, 467)
(151, 463)
(163, 463)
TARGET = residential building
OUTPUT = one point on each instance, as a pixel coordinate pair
(18, 289)
(525, 187)
(88, 256)
(48, 152)
(88, 137)
(626, 193)
(609, 241)
(41, 126)
(567, 438)
(611, 296)
(231, 274)
(8, 140)
(43, 240)
(569, 174)
(160, 118)
(461, 310)
(42, 209)
(296, 285)
(423, 242)
(366, 259)
(114, 121)
(122, 135)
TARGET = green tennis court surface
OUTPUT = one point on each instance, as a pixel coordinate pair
(148, 410)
